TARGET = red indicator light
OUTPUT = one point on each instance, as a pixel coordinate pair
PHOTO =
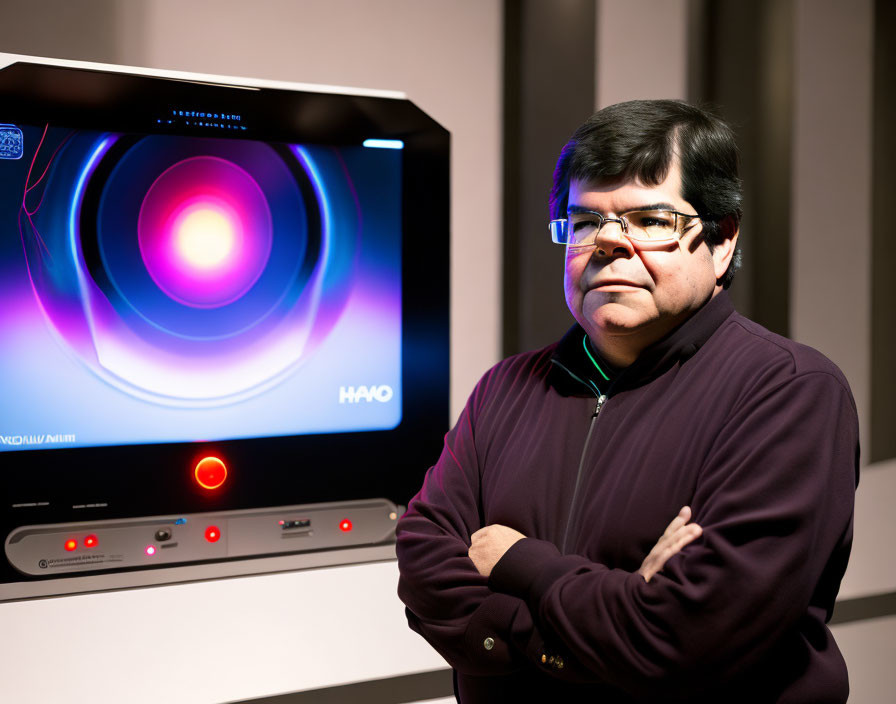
(91, 541)
(150, 550)
(212, 534)
(345, 526)
(70, 545)
(210, 473)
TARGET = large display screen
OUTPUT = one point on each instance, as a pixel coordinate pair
(220, 300)
(161, 288)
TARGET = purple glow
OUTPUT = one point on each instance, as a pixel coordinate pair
(205, 232)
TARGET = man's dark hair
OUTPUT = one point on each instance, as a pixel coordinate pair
(638, 140)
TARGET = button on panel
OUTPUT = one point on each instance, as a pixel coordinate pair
(210, 473)
(296, 524)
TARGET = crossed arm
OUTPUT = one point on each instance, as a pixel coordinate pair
(489, 544)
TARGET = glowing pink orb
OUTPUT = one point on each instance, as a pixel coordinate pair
(205, 237)
(205, 232)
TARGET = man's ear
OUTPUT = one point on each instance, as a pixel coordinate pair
(723, 251)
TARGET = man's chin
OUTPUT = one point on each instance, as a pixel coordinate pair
(617, 318)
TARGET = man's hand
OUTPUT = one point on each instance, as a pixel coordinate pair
(678, 534)
(489, 544)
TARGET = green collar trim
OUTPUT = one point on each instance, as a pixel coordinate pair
(591, 357)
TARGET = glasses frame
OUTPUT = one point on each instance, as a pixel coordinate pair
(559, 227)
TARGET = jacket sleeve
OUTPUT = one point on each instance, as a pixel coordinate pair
(775, 499)
(448, 602)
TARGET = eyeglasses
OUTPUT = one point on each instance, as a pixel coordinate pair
(580, 228)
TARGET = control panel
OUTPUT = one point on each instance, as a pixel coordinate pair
(64, 548)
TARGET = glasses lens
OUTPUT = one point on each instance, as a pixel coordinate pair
(558, 230)
(651, 224)
(582, 228)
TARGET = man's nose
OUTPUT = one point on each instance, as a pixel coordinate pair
(611, 241)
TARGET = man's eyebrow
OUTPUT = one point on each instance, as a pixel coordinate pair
(573, 208)
(652, 206)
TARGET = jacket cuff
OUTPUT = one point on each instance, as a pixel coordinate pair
(529, 568)
(488, 635)
(516, 571)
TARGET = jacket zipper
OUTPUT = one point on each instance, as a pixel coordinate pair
(575, 492)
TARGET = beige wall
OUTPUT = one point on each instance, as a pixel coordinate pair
(868, 647)
(654, 66)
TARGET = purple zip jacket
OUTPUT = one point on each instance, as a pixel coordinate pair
(758, 434)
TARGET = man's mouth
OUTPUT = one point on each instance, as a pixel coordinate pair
(614, 284)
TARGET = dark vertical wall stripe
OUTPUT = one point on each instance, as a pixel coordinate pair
(511, 170)
(883, 236)
(549, 56)
(742, 64)
(772, 167)
(700, 46)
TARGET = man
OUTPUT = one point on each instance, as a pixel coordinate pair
(523, 556)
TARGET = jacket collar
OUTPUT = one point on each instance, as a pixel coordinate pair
(678, 346)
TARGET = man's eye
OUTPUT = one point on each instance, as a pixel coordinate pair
(652, 220)
(585, 221)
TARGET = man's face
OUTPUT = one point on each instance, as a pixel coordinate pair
(626, 296)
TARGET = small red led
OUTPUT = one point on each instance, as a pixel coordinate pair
(150, 550)
(210, 473)
(71, 545)
(91, 541)
(345, 526)
(212, 534)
